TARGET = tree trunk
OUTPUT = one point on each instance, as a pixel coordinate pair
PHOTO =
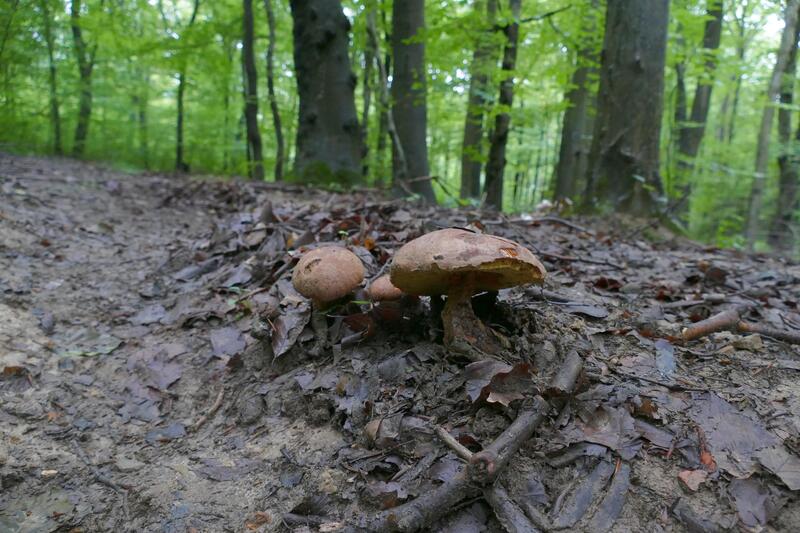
(788, 41)
(741, 51)
(576, 130)
(483, 61)
(369, 61)
(85, 60)
(495, 166)
(781, 233)
(328, 136)
(690, 134)
(55, 116)
(409, 104)
(256, 163)
(144, 142)
(624, 162)
(180, 164)
(273, 101)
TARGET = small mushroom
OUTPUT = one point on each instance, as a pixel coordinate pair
(459, 264)
(389, 303)
(382, 290)
(326, 275)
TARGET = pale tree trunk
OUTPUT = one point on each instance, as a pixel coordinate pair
(409, 104)
(781, 232)
(180, 164)
(369, 61)
(496, 164)
(762, 144)
(256, 162)
(576, 130)
(328, 136)
(741, 51)
(85, 60)
(55, 116)
(273, 101)
(624, 163)
(690, 134)
(483, 61)
(384, 68)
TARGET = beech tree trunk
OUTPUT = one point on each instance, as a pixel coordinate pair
(690, 134)
(624, 163)
(576, 130)
(256, 163)
(483, 61)
(55, 116)
(781, 232)
(273, 101)
(495, 166)
(409, 104)
(85, 60)
(328, 137)
(788, 42)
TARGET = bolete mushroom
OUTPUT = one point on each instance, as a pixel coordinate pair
(326, 275)
(389, 303)
(459, 263)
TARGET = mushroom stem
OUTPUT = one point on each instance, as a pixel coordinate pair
(463, 330)
(319, 324)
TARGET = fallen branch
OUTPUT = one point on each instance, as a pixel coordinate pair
(453, 444)
(721, 321)
(211, 412)
(564, 381)
(507, 512)
(102, 479)
(780, 335)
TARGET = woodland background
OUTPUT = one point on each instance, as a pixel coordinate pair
(211, 87)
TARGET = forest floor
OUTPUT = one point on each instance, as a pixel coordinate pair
(133, 396)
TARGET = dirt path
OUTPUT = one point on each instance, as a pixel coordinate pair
(133, 396)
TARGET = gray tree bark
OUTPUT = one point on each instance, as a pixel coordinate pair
(409, 103)
(496, 164)
(328, 137)
(752, 231)
(483, 60)
(273, 101)
(256, 162)
(624, 163)
(85, 59)
(55, 115)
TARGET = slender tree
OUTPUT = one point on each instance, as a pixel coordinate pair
(495, 166)
(409, 105)
(328, 136)
(690, 134)
(483, 60)
(273, 101)
(781, 232)
(576, 129)
(256, 163)
(55, 115)
(85, 58)
(369, 62)
(624, 161)
(788, 41)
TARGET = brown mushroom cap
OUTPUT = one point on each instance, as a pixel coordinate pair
(382, 290)
(445, 259)
(327, 274)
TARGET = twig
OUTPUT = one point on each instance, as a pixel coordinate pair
(506, 510)
(454, 445)
(100, 478)
(724, 320)
(559, 220)
(566, 377)
(580, 259)
(785, 336)
(211, 412)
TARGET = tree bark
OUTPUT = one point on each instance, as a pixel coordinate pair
(781, 233)
(55, 115)
(328, 136)
(690, 134)
(85, 60)
(273, 101)
(741, 51)
(409, 104)
(180, 164)
(369, 61)
(483, 61)
(495, 166)
(578, 121)
(256, 162)
(624, 163)
(788, 41)
(144, 142)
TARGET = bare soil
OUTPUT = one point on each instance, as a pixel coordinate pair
(155, 375)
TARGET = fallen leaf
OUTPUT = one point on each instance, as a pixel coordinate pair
(693, 478)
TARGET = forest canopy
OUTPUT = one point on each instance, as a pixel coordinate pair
(681, 109)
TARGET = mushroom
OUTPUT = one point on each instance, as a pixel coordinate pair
(389, 303)
(459, 264)
(382, 290)
(326, 275)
